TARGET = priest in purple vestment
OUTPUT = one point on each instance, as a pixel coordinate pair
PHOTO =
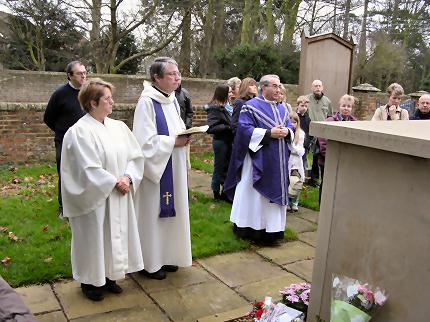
(257, 179)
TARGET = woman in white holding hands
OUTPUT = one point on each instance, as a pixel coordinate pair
(101, 167)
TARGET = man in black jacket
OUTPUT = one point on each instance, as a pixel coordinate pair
(184, 101)
(63, 110)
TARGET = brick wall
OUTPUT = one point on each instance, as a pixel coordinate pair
(23, 97)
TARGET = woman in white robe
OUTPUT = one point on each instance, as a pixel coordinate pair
(101, 168)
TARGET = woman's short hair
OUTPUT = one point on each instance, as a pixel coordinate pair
(347, 98)
(92, 90)
(159, 65)
(232, 82)
(221, 94)
(395, 89)
(244, 87)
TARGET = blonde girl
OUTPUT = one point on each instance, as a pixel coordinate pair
(295, 163)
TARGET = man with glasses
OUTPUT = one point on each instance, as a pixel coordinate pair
(258, 171)
(63, 110)
(161, 201)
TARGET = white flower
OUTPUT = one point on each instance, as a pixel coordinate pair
(352, 290)
(380, 298)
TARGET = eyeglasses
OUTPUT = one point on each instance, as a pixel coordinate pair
(80, 73)
(174, 74)
(274, 86)
(107, 98)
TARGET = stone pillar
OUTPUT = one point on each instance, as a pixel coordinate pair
(367, 100)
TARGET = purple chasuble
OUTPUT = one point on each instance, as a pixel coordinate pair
(167, 201)
(269, 163)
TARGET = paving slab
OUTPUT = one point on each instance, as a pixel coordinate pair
(77, 305)
(307, 214)
(199, 181)
(183, 277)
(302, 269)
(240, 268)
(149, 313)
(226, 316)
(195, 301)
(288, 252)
(300, 225)
(309, 238)
(57, 316)
(268, 287)
(39, 298)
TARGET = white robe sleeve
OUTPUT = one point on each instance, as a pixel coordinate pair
(257, 135)
(85, 185)
(156, 149)
(136, 163)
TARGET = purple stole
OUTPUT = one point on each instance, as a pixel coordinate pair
(167, 201)
(270, 163)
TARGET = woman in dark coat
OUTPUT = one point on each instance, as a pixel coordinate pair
(220, 126)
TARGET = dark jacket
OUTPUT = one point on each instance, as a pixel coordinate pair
(63, 110)
(184, 101)
(420, 116)
(305, 121)
(323, 142)
(237, 106)
(220, 123)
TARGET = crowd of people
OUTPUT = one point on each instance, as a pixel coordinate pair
(125, 192)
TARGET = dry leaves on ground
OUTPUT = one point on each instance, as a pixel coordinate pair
(6, 261)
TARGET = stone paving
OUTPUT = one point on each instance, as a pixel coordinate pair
(217, 288)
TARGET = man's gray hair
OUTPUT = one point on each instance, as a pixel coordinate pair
(159, 65)
(265, 81)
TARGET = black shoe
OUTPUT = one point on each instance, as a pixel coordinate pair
(92, 292)
(217, 195)
(169, 268)
(112, 286)
(158, 275)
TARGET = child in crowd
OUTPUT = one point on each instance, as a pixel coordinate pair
(305, 120)
(346, 104)
(295, 164)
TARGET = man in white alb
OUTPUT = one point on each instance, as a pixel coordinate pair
(162, 200)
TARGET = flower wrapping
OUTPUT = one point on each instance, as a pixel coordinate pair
(354, 301)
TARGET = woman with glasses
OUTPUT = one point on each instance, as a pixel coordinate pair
(101, 168)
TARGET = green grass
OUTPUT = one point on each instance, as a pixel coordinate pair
(309, 198)
(29, 209)
(202, 161)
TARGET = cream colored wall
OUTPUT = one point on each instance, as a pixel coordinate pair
(328, 61)
(374, 222)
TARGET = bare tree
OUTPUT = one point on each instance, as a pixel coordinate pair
(106, 30)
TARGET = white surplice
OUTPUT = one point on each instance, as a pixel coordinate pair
(250, 208)
(164, 241)
(105, 238)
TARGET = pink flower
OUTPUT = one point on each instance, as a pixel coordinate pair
(362, 289)
(369, 296)
(293, 298)
(380, 298)
(304, 296)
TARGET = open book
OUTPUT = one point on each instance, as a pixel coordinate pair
(195, 129)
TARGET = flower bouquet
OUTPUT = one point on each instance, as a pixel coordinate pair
(296, 296)
(353, 300)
